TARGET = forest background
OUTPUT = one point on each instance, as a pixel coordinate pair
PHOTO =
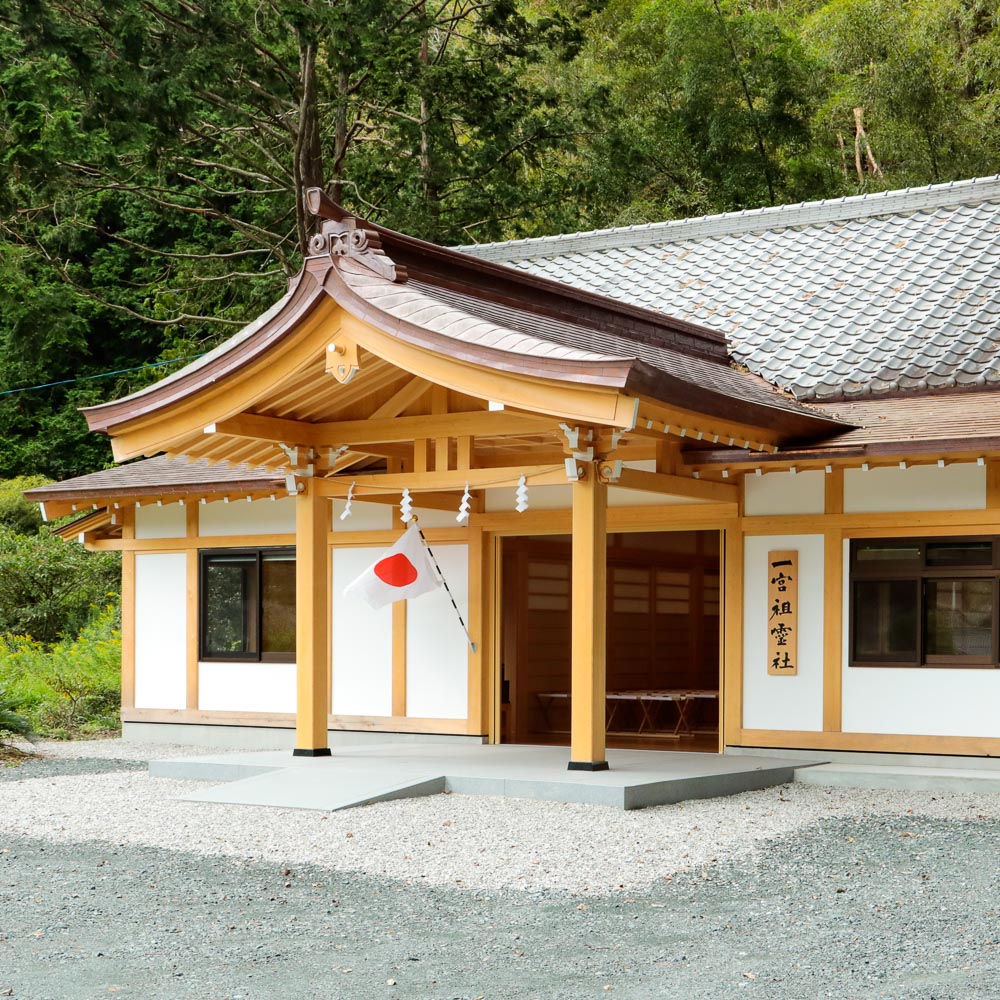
(154, 156)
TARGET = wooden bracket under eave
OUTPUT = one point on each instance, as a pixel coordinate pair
(342, 359)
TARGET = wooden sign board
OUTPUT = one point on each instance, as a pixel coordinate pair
(783, 613)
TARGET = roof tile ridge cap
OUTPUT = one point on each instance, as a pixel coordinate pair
(746, 220)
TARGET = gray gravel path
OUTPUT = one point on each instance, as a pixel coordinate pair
(899, 905)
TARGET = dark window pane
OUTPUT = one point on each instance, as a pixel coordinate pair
(278, 603)
(885, 620)
(881, 552)
(960, 553)
(960, 618)
(230, 605)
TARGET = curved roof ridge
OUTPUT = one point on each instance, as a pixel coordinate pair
(897, 202)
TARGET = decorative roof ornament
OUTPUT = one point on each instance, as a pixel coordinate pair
(345, 236)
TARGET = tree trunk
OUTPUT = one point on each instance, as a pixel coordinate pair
(864, 158)
(308, 149)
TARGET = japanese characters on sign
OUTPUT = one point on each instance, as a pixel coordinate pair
(782, 613)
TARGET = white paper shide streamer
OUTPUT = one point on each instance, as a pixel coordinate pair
(464, 506)
(521, 496)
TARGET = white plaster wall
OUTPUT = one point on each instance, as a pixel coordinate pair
(160, 630)
(784, 493)
(922, 487)
(916, 701)
(362, 641)
(539, 498)
(437, 653)
(261, 517)
(775, 702)
(364, 516)
(246, 687)
(169, 521)
(429, 518)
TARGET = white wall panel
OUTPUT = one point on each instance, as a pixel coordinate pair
(784, 493)
(437, 653)
(921, 701)
(246, 687)
(364, 516)
(362, 641)
(539, 498)
(262, 517)
(922, 487)
(918, 701)
(169, 521)
(160, 629)
(776, 702)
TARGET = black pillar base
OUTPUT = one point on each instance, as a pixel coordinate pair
(587, 765)
(318, 752)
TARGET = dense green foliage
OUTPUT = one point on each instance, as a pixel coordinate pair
(70, 688)
(60, 645)
(153, 155)
(48, 587)
(13, 726)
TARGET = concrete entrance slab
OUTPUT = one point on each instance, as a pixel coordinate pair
(359, 775)
(903, 776)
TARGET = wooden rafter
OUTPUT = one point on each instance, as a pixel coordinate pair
(381, 431)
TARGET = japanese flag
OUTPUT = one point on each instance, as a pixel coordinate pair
(402, 572)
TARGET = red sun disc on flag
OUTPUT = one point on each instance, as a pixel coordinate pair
(396, 570)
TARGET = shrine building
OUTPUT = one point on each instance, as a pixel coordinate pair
(730, 482)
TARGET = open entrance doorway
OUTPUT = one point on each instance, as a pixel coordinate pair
(662, 640)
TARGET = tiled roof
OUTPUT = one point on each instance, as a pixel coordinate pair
(158, 474)
(830, 299)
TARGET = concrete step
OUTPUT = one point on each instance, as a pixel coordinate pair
(902, 776)
(637, 779)
(295, 788)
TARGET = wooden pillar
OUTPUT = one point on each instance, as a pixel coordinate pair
(312, 642)
(589, 619)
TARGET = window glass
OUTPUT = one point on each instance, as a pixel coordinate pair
(884, 551)
(230, 603)
(959, 553)
(886, 613)
(277, 602)
(960, 618)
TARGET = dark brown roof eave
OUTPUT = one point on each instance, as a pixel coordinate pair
(169, 489)
(303, 298)
(821, 452)
(513, 286)
(645, 380)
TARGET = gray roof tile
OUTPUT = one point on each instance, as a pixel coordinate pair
(849, 296)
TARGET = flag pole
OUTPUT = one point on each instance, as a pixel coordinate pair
(441, 577)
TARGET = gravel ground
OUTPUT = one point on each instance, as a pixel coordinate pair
(110, 886)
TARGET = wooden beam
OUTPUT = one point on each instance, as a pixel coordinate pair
(382, 430)
(731, 716)
(312, 642)
(434, 482)
(833, 598)
(191, 531)
(478, 722)
(128, 615)
(833, 486)
(589, 621)
(676, 486)
(399, 658)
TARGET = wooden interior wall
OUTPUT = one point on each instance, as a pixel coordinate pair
(663, 623)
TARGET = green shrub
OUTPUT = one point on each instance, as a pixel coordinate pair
(17, 514)
(12, 725)
(72, 688)
(49, 587)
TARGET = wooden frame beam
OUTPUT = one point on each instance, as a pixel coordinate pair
(312, 642)
(589, 621)
(385, 430)
(670, 485)
(435, 481)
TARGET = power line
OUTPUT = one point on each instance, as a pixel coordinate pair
(87, 378)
